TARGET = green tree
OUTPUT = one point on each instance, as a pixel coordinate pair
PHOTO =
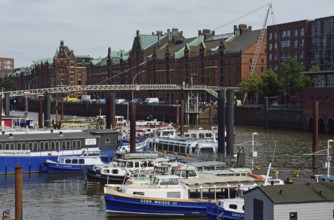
(292, 79)
(8, 85)
(314, 68)
(252, 86)
(271, 84)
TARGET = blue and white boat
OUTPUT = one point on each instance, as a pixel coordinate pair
(31, 149)
(75, 164)
(227, 209)
(124, 146)
(170, 195)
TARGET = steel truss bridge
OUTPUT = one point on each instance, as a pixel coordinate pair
(192, 102)
(128, 87)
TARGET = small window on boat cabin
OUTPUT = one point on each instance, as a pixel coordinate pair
(233, 206)
(75, 161)
(78, 144)
(129, 164)
(30, 144)
(169, 181)
(1, 147)
(24, 146)
(173, 195)
(74, 144)
(139, 193)
(7, 146)
(150, 163)
(293, 216)
(12, 146)
(81, 161)
(115, 171)
(19, 146)
(137, 164)
(68, 161)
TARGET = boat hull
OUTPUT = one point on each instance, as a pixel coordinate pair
(213, 212)
(64, 168)
(94, 176)
(120, 205)
(30, 164)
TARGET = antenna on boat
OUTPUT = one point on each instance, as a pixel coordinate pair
(269, 167)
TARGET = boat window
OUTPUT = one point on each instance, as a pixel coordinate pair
(68, 161)
(35, 146)
(53, 145)
(7, 146)
(74, 144)
(81, 161)
(115, 171)
(79, 144)
(75, 161)
(107, 141)
(12, 146)
(137, 164)
(46, 145)
(19, 146)
(30, 145)
(233, 206)
(172, 181)
(1, 146)
(150, 163)
(129, 164)
(201, 135)
(41, 144)
(207, 150)
(138, 193)
(173, 195)
(68, 144)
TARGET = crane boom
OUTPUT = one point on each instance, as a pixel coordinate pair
(259, 42)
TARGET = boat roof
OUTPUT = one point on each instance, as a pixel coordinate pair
(219, 180)
(207, 164)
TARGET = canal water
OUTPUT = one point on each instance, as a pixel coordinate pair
(58, 197)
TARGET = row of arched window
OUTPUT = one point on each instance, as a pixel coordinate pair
(41, 145)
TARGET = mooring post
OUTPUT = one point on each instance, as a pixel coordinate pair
(18, 192)
(315, 135)
(133, 113)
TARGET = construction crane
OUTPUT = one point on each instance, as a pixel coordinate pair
(258, 47)
(259, 41)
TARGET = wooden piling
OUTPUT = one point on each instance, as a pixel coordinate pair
(18, 192)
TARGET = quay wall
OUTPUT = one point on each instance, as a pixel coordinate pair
(276, 118)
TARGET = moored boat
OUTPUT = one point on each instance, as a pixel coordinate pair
(118, 170)
(169, 195)
(74, 164)
(32, 149)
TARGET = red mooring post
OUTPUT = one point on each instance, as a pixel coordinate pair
(18, 192)
(133, 127)
(0, 111)
(40, 114)
(182, 118)
(315, 134)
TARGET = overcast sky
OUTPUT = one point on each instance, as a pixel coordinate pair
(32, 29)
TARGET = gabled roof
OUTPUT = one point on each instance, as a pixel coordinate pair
(298, 193)
(242, 42)
(147, 41)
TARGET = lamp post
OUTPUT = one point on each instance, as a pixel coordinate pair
(329, 158)
(133, 83)
(26, 95)
(253, 154)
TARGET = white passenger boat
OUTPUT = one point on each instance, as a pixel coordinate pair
(169, 195)
(118, 170)
(74, 164)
